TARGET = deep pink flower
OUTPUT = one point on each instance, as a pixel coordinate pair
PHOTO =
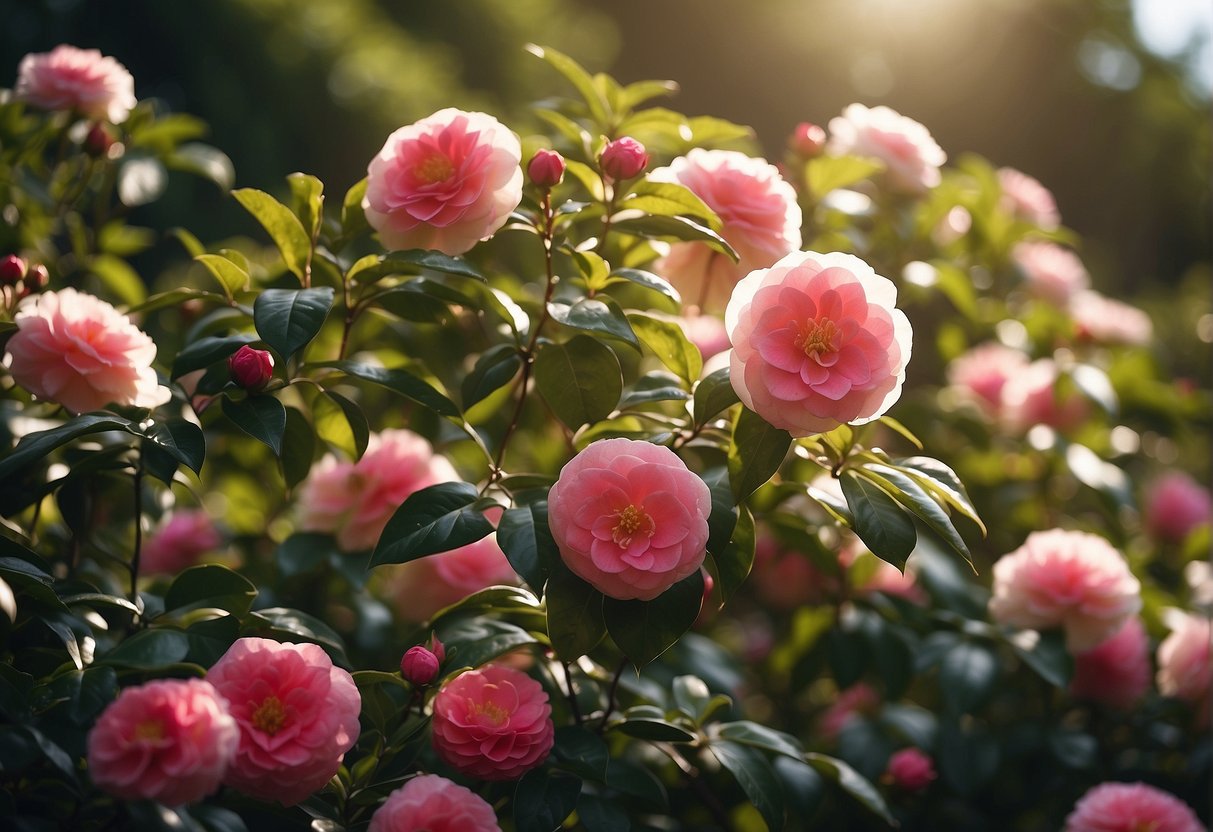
(494, 723)
(79, 351)
(1115, 672)
(68, 78)
(808, 140)
(817, 342)
(858, 699)
(444, 183)
(250, 367)
(1131, 807)
(421, 587)
(630, 518)
(1050, 271)
(623, 158)
(1067, 579)
(169, 740)
(419, 665)
(911, 157)
(1107, 321)
(982, 372)
(1175, 504)
(12, 270)
(297, 712)
(760, 219)
(355, 500)
(430, 803)
(1025, 198)
(910, 769)
(546, 169)
(179, 542)
(1185, 661)
(1031, 396)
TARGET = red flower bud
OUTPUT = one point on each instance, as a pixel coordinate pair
(250, 368)
(546, 169)
(419, 666)
(437, 648)
(36, 278)
(98, 141)
(624, 158)
(12, 270)
(807, 140)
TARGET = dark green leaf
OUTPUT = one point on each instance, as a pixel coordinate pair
(181, 440)
(303, 552)
(400, 381)
(665, 338)
(968, 755)
(734, 561)
(644, 630)
(295, 623)
(435, 519)
(713, 394)
(852, 782)
(580, 380)
(34, 446)
(600, 315)
(680, 228)
(655, 386)
(288, 319)
(598, 814)
(413, 261)
(574, 614)
(582, 752)
(967, 676)
(298, 447)
(472, 642)
(206, 351)
(524, 536)
(282, 225)
(760, 736)
(155, 648)
(655, 728)
(757, 779)
(880, 523)
(210, 585)
(1045, 653)
(757, 451)
(649, 281)
(543, 800)
(261, 417)
(914, 497)
(494, 370)
(1075, 749)
(940, 479)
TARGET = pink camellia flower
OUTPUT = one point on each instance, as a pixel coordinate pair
(1050, 271)
(445, 182)
(494, 723)
(355, 500)
(1116, 672)
(910, 769)
(1175, 504)
(421, 587)
(1131, 807)
(892, 581)
(250, 367)
(77, 350)
(623, 159)
(760, 219)
(630, 518)
(1107, 321)
(68, 78)
(982, 372)
(706, 332)
(1031, 397)
(169, 740)
(850, 704)
(179, 542)
(817, 342)
(1025, 198)
(911, 157)
(1185, 661)
(430, 803)
(297, 712)
(1067, 579)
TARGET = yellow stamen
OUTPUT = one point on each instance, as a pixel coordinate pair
(817, 338)
(434, 168)
(270, 716)
(495, 713)
(631, 520)
(152, 729)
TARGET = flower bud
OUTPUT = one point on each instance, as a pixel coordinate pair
(419, 666)
(36, 279)
(807, 140)
(546, 169)
(98, 141)
(12, 270)
(437, 648)
(250, 368)
(910, 769)
(624, 158)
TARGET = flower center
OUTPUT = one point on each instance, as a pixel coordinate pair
(152, 729)
(494, 713)
(270, 716)
(434, 168)
(631, 521)
(817, 338)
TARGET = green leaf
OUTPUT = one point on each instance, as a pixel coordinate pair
(341, 423)
(579, 379)
(644, 630)
(599, 315)
(967, 676)
(638, 92)
(297, 624)
(851, 782)
(119, 278)
(1046, 654)
(207, 350)
(435, 519)
(670, 200)
(282, 225)
(412, 261)
(298, 447)
(910, 494)
(574, 614)
(649, 281)
(302, 552)
(880, 523)
(181, 440)
(582, 752)
(141, 179)
(760, 736)
(757, 779)
(543, 800)
(576, 76)
(655, 386)
(205, 161)
(733, 564)
(307, 200)
(34, 446)
(666, 339)
(353, 218)
(828, 173)
(399, 381)
(155, 648)
(494, 370)
(968, 755)
(680, 228)
(261, 417)
(593, 269)
(713, 394)
(600, 814)
(288, 319)
(210, 585)
(757, 451)
(942, 480)
(649, 723)
(472, 642)
(524, 536)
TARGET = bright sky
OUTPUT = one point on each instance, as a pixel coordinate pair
(1169, 26)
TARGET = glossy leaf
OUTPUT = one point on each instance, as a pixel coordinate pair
(182, 440)
(942, 480)
(307, 200)
(852, 782)
(288, 319)
(579, 379)
(576, 76)
(208, 350)
(261, 417)
(648, 280)
(754, 774)
(435, 519)
(341, 423)
(210, 585)
(600, 315)
(912, 496)
(524, 536)
(967, 676)
(575, 614)
(400, 381)
(543, 799)
(282, 225)
(644, 630)
(155, 648)
(878, 521)
(493, 370)
(736, 559)
(756, 453)
(665, 339)
(230, 276)
(36, 445)
(713, 393)
(680, 228)
(298, 447)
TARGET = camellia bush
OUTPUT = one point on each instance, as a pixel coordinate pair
(610, 477)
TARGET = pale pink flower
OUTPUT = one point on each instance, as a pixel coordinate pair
(1175, 504)
(982, 372)
(1050, 271)
(179, 543)
(817, 342)
(860, 698)
(77, 350)
(169, 740)
(911, 157)
(706, 332)
(910, 769)
(1109, 321)
(892, 581)
(297, 712)
(1115, 672)
(1185, 661)
(1131, 807)
(760, 219)
(430, 803)
(1023, 197)
(1067, 579)
(1031, 397)
(494, 723)
(630, 518)
(421, 587)
(68, 78)
(445, 182)
(355, 500)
